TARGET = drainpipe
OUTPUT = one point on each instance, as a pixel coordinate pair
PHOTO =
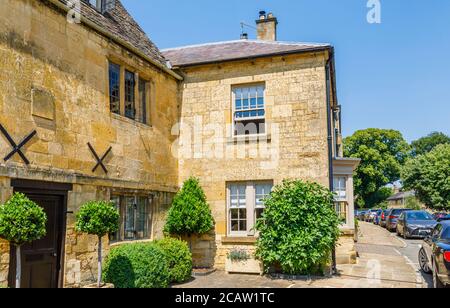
(330, 140)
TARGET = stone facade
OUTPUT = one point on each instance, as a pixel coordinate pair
(55, 80)
(296, 115)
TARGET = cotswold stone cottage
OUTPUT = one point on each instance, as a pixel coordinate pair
(91, 109)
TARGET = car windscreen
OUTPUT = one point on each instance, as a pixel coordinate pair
(397, 212)
(446, 234)
(418, 216)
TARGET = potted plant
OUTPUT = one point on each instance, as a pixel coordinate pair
(21, 221)
(98, 218)
(239, 261)
(190, 213)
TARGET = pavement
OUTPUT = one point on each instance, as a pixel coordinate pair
(385, 261)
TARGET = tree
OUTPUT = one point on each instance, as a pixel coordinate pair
(299, 228)
(383, 152)
(427, 144)
(21, 221)
(98, 218)
(412, 203)
(190, 213)
(429, 176)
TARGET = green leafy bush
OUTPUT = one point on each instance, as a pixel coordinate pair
(98, 218)
(299, 228)
(179, 258)
(21, 220)
(190, 213)
(137, 265)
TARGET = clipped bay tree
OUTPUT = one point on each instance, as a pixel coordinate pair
(98, 218)
(190, 213)
(22, 221)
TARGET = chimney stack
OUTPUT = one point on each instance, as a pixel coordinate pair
(267, 27)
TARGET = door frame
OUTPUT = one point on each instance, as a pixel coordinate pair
(51, 189)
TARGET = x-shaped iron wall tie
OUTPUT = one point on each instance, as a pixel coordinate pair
(99, 160)
(17, 148)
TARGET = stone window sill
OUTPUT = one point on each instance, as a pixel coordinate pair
(250, 139)
(239, 240)
(130, 121)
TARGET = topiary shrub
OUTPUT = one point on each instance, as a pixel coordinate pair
(190, 213)
(98, 218)
(299, 228)
(21, 221)
(138, 265)
(179, 258)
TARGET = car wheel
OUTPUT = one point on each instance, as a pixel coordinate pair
(423, 262)
(405, 235)
(437, 284)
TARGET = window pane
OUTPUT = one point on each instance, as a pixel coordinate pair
(243, 214)
(130, 110)
(142, 218)
(235, 225)
(143, 100)
(129, 218)
(234, 214)
(114, 88)
(243, 225)
(258, 213)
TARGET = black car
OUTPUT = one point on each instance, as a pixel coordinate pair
(434, 256)
(415, 224)
(391, 220)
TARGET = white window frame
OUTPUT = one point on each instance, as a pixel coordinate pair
(341, 192)
(250, 206)
(235, 120)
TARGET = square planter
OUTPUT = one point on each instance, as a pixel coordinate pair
(250, 266)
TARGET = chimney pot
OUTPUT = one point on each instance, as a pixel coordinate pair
(244, 36)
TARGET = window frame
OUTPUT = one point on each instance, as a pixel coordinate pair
(234, 109)
(112, 64)
(250, 206)
(122, 206)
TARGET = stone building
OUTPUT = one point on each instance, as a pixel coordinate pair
(108, 117)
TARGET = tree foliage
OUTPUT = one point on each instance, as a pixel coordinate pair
(98, 218)
(22, 220)
(382, 153)
(427, 144)
(190, 213)
(299, 228)
(429, 176)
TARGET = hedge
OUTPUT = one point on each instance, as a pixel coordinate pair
(179, 258)
(137, 265)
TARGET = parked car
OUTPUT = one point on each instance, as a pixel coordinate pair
(434, 256)
(445, 218)
(362, 215)
(391, 221)
(376, 220)
(370, 215)
(439, 216)
(415, 224)
(383, 218)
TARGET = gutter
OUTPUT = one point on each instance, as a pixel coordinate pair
(117, 40)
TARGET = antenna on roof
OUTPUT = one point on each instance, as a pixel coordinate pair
(244, 35)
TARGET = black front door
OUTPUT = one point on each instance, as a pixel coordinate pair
(41, 259)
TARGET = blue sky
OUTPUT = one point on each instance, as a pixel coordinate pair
(390, 75)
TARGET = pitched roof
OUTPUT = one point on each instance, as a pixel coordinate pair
(235, 50)
(402, 195)
(118, 22)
